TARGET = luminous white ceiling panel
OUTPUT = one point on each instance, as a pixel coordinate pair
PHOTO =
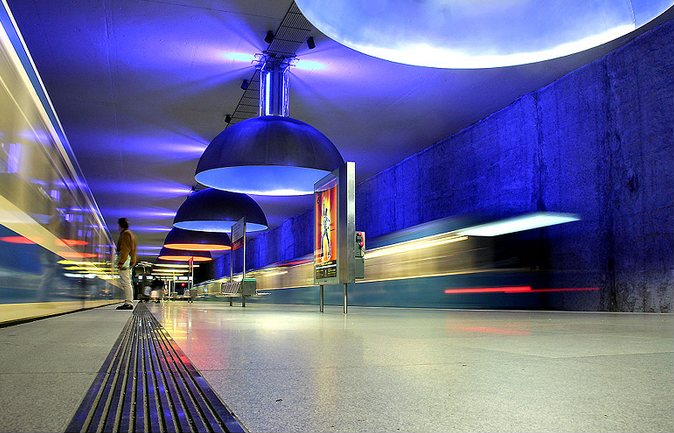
(469, 34)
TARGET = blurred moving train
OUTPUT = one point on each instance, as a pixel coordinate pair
(448, 263)
(55, 249)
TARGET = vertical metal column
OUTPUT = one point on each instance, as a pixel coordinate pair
(346, 299)
(231, 265)
(274, 84)
(321, 297)
(243, 276)
(190, 283)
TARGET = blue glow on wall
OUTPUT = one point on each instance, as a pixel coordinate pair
(598, 143)
(239, 57)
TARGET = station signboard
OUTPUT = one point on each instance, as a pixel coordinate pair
(238, 232)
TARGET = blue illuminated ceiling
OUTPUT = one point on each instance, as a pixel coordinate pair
(142, 87)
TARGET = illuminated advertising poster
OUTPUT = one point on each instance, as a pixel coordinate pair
(325, 232)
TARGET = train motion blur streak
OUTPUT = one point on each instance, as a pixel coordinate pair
(433, 265)
(48, 218)
(437, 255)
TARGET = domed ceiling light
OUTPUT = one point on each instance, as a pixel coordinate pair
(272, 154)
(184, 256)
(463, 34)
(190, 240)
(212, 210)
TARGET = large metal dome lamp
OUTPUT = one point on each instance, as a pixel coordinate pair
(184, 256)
(272, 154)
(477, 34)
(190, 240)
(212, 210)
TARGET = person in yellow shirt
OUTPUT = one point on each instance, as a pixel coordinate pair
(126, 260)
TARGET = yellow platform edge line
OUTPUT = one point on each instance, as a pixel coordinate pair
(35, 310)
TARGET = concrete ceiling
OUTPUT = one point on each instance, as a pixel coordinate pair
(142, 86)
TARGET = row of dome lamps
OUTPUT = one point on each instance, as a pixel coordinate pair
(271, 155)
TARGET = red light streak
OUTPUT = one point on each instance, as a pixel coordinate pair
(516, 289)
(570, 289)
(17, 240)
(76, 255)
(511, 289)
(74, 242)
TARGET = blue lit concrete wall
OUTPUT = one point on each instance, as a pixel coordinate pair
(598, 142)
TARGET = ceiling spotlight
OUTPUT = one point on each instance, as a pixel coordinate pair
(245, 84)
(311, 43)
(269, 37)
(228, 118)
(212, 210)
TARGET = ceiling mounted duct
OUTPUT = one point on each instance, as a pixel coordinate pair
(184, 256)
(212, 210)
(272, 154)
(190, 240)
(465, 34)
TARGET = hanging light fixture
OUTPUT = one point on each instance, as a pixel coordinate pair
(273, 154)
(467, 34)
(190, 240)
(212, 210)
(184, 256)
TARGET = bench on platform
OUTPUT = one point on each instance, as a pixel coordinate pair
(234, 289)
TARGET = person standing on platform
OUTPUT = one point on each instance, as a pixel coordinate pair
(126, 260)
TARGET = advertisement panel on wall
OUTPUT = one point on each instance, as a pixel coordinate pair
(326, 242)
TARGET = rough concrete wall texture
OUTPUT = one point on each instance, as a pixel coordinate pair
(640, 80)
(598, 142)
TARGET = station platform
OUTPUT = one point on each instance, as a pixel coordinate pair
(285, 368)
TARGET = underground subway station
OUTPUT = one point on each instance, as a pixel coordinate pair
(346, 216)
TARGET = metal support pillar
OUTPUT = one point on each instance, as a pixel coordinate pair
(243, 301)
(321, 297)
(346, 299)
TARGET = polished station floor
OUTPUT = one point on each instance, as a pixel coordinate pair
(291, 368)
(283, 368)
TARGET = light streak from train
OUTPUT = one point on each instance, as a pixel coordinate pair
(520, 223)
(515, 289)
(416, 244)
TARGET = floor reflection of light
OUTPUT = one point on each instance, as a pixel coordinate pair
(493, 330)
